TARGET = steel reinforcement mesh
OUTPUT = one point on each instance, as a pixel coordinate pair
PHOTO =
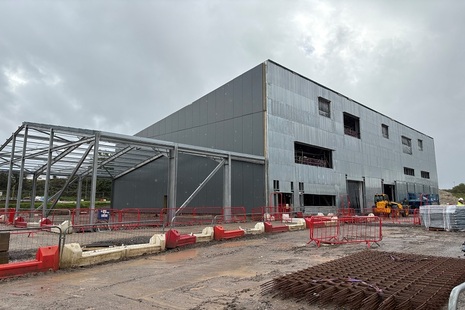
(373, 280)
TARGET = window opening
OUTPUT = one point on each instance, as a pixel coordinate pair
(420, 145)
(324, 107)
(409, 171)
(425, 174)
(312, 155)
(406, 145)
(276, 185)
(385, 131)
(351, 125)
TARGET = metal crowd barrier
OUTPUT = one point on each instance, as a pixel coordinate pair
(341, 230)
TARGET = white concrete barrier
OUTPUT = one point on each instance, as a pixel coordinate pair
(74, 256)
(258, 229)
(297, 224)
(206, 235)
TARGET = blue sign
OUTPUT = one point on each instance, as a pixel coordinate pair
(103, 215)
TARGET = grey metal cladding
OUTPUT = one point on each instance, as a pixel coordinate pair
(235, 108)
(292, 115)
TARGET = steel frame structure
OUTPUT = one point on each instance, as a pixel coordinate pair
(36, 150)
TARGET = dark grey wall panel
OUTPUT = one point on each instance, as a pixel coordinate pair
(229, 118)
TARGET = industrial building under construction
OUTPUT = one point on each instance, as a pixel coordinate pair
(268, 137)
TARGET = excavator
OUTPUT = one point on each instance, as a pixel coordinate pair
(384, 207)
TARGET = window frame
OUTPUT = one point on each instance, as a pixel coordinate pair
(351, 125)
(385, 131)
(409, 171)
(420, 144)
(322, 103)
(406, 145)
(312, 155)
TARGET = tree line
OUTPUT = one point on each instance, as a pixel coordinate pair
(55, 185)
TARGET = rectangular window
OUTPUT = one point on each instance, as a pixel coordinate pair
(292, 187)
(425, 174)
(324, 107)
(312, 155)
(406, 145)
(385, 131)
(276, 185)
(301, 187)
(420, 145)
(351, 125)
(319, 200)
(409, 171)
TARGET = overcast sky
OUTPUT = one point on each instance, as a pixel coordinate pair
(120, 66)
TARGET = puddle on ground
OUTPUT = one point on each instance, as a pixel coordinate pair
(234, 244)
(172, 257)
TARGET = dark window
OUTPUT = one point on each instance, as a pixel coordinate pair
(351, 125)
(301, 187)
(292, 186)
(324, 107)
(385, 131)
(276, 185)
(409, 171)
(425, 174)
(420, 145)
(312, 155)
(406, 145)
(319, 200)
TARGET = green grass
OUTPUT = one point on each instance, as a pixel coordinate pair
(60, 205)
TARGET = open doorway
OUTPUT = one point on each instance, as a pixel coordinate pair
(279, 200)
(356, 197)
(390, 190)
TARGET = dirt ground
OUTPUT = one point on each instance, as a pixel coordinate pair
(215, 275)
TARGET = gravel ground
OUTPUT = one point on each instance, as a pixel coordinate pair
(215, 275)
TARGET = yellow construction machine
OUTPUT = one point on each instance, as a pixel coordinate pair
(384, 207)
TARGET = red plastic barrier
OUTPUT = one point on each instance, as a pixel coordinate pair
(20, 222)
(45, 222)
(174, 239)
(269, 228)
(220, 233)
(47, 258)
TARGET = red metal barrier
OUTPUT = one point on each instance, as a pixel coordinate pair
(416, 217)
(47, 258)
(257, 214)
(220, 233)
(174, 239)
(346, 212)
(8, 216)
(350, 229)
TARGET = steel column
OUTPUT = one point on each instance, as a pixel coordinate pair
(94, 178)
(21, 172)
(172, 181)
(47, 173)
(227, 190)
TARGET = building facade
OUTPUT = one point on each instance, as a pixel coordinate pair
(322, 149)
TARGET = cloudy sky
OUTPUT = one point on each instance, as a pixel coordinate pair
(120, 66)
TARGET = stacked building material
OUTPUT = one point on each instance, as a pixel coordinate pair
(444, 217)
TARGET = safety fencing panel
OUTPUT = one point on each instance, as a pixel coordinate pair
(208, 216)
(35, 218)
(22, 244)
(341, 230)
(411, 218)
(257, 214)
(282, 215)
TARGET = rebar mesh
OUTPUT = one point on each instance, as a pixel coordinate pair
(373, 280)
